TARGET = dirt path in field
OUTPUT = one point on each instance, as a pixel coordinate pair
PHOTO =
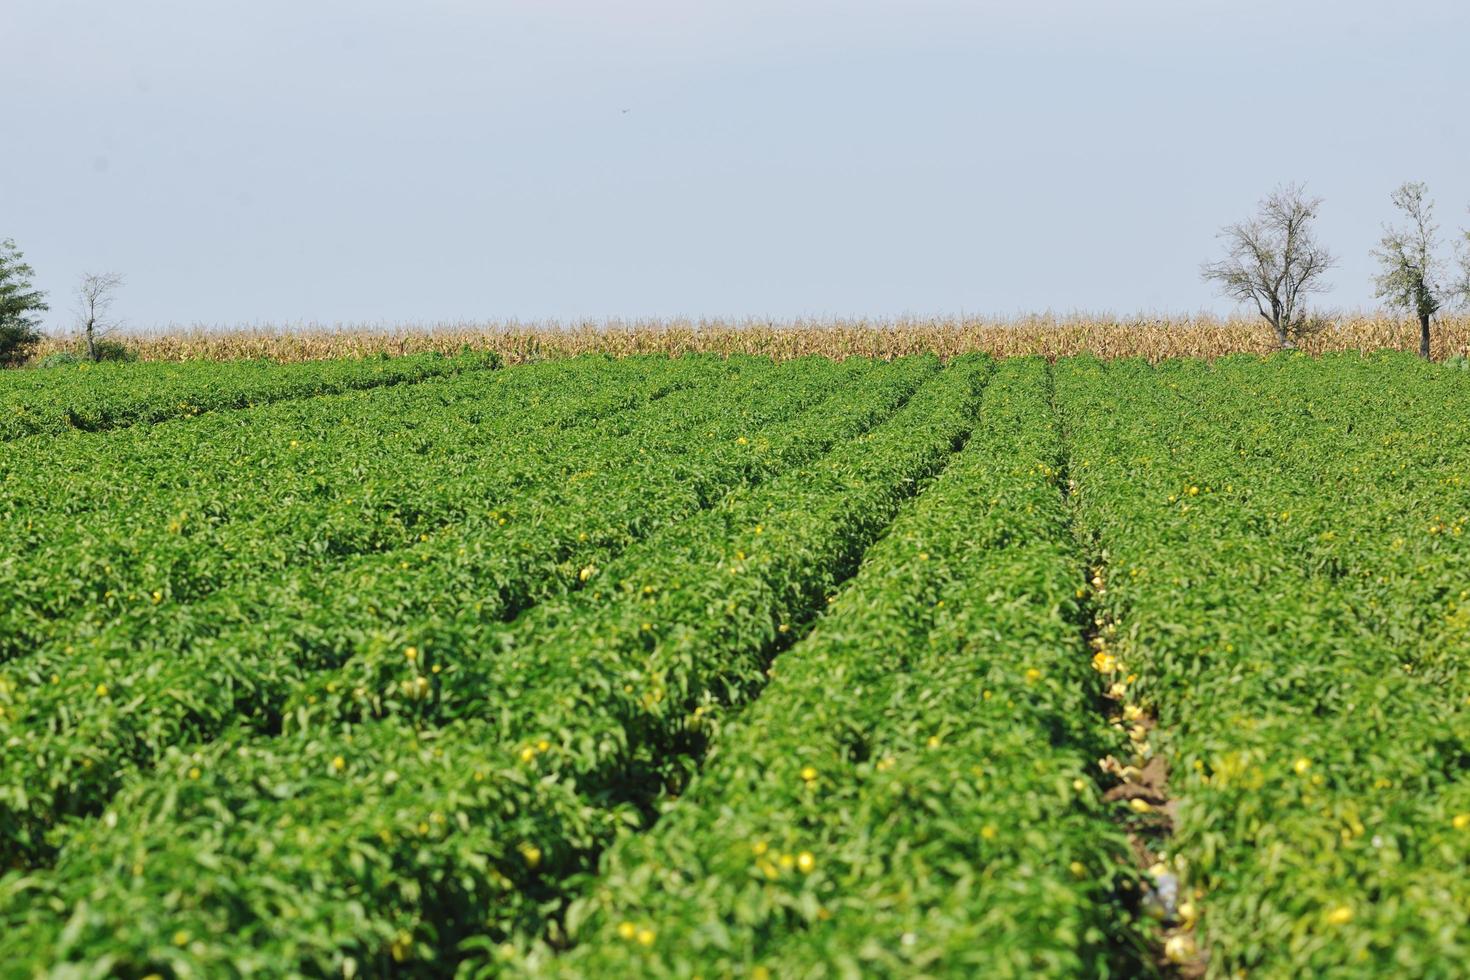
(1133, 777)
(1140, 784)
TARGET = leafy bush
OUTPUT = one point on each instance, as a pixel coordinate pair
(61, 358)
(17, 343)
(115, 351)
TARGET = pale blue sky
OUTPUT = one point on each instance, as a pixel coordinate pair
(293, 160)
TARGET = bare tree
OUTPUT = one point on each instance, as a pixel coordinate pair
(1273, 260)
(95, 294)
(1413, 276)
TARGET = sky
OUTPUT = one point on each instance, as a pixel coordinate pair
(291, 161)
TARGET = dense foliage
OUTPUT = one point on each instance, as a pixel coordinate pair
(92, 396)
(20, 301)
(1289, 572)
(730, 667)
(906, 796)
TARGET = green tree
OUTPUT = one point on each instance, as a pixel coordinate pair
(18, 302)
(1412, 276)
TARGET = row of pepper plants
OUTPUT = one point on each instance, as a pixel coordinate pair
(129, 524)
(911, 794)
(1285, 562)
(467, 775)
(80, 720)
(107, 396)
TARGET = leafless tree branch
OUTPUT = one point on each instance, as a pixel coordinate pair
(95, 295)
(1273, 261)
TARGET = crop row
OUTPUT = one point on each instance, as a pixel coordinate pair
(1285, 563)
(107, 396)
(351, 849)
(77, 722)
(109, 526)
(911, 795)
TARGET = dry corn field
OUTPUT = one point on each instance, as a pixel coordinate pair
(1155, 339)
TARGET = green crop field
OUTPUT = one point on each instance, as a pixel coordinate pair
(729, 667)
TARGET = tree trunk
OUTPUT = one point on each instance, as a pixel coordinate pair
(1424, 335)
(91, 344)
(1281, 338)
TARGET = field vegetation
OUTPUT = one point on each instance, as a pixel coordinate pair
(498, 663)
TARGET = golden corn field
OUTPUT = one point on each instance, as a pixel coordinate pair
(1049, 336)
